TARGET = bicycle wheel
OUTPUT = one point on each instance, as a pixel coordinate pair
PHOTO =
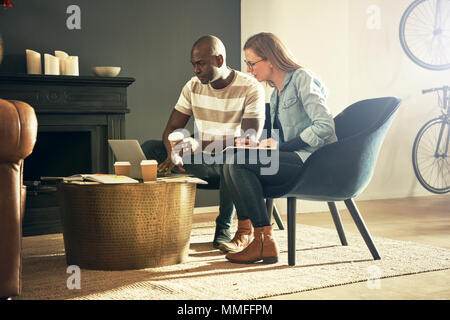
(425, 33)
(431, 169)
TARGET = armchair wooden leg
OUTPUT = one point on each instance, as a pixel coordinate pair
(272, 208)
(291, 215)
(337, 222)
(362, 227)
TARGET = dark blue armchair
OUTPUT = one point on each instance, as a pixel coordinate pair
(340, 171)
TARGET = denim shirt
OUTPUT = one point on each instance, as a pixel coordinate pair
(303, 111)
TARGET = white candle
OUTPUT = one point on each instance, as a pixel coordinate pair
(51, 64)
(33, 62)
(71, 66)
(62, 56)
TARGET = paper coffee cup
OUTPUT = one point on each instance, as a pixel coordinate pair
(122, 168)
(175, 137)
(149, 170)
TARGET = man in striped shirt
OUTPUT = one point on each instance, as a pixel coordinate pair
(224, 103)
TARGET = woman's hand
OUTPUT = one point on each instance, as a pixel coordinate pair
(245, 142)
(269, 143)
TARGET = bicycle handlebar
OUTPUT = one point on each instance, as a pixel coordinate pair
(435, 89)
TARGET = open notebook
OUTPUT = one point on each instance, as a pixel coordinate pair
(96, 177)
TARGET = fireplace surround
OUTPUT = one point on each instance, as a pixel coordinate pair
(76, 116)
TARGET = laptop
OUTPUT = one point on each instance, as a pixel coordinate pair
(129, 150)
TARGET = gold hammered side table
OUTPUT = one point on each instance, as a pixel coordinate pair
(126, 226)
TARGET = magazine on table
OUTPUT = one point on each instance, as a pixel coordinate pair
(96, 177)
(180, 178)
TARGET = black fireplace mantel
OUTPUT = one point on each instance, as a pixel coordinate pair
(71, 102)
(68, 94)
(76, 117)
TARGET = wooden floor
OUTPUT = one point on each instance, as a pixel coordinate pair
(421, 219)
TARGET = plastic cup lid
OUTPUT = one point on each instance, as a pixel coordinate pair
(122, 163)
(175, 136)
(149, 162)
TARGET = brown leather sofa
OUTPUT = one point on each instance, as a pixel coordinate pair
(18, 131)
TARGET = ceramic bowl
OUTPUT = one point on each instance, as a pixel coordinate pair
(106, 71)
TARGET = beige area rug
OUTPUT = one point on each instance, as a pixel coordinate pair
(321, 262)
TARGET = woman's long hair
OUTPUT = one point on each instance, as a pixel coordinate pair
(269, 47)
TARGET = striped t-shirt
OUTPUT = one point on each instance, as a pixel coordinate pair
(219, 112)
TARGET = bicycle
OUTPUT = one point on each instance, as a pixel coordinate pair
(425, 33)
(430, 149)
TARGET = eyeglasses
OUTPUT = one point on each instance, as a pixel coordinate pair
(252, 64)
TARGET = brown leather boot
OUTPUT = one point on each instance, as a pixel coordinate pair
(263, 247)
(242, 238)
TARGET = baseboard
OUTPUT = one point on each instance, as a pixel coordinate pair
(393, 195)
(317, 206)
(209, 209)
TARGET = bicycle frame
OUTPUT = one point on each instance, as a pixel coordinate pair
(430, 148)
(446, 99)
(445, 105)
(445, 120)
(441, 132)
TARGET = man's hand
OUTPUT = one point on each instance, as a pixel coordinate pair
(185, 146)
(189, 145)
(173, 159)
(168, 166)
(176, 121)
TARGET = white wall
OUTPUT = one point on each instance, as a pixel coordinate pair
(332, 38)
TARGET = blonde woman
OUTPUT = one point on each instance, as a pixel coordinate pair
(299, 113)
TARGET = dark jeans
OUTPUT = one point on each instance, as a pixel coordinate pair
(246, 183)
(155, 150)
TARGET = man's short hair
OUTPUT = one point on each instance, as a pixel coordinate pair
(215, 45)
